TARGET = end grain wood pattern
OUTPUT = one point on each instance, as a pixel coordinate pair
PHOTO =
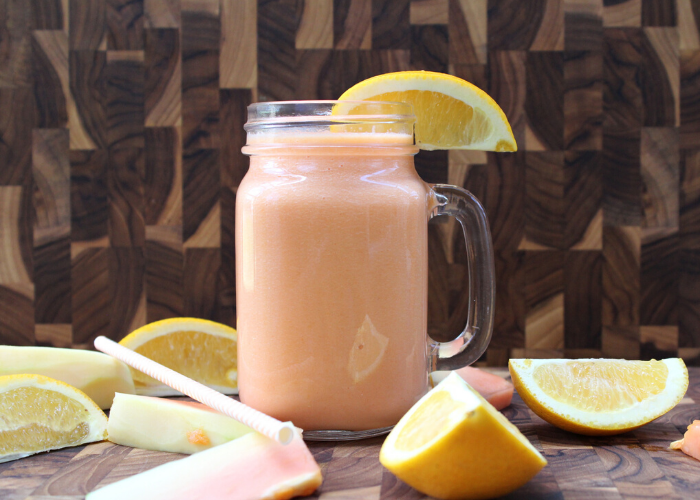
(121, 130)
(633, 465)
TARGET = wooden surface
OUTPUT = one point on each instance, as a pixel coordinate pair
(121, 129)
(632, 465)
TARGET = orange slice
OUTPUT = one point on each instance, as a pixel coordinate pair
(451, 113)
(453, 444)
(202, 350)
(599, 396)
(39, 413)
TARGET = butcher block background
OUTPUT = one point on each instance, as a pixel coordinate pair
(121, 123)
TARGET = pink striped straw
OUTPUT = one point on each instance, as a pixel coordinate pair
(283, 432)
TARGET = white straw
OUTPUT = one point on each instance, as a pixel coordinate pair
(282, 432)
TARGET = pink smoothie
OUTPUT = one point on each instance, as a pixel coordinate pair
(332, 280)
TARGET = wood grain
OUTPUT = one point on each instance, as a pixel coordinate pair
(16, 124)
(430, 11)
(50, 59)
(161, 13)
(124, 25)
(659, 273)
(583, 25)
(200, 200)
(637, 464)
(621, 268)
(151, 97)
(509, 330)
(507, 68)
(582, 312)
(467, 30)
(582, 199)
(690, 99)
(316, 26)
(89, 195)
(622, 96)
(390, 24)
(277, 25)
(659, 13)
(622, 13)
(687, 24)
(688, 299)
(660, 175)
(545, 205)
(503, 199)
(200, 297)
(88, 79)
(201, 31)
(660, 82)
(537, 26)
(47, 15)
(238, 60)
(163, 78)
(127, 226)
(16, 236)
(127, 278)
(545, 120)
(234, 164)
(352, 24)
(51, 201)
(88, 24)
(124, 99)
(622, 183)
(16, 46)
(583, 100)
(689, 199)
(544, 300)
(91, 296)
(429, 48)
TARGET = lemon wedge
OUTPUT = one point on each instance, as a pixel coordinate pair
(599, 397)
(453, 444)
(39, 413)
(202, 350)
(451, 113)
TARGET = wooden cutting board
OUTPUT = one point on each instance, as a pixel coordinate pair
(633, 465)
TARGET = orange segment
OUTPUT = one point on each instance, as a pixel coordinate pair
(599, 396)
(428, 422)
(451, 113)
(593, 386)
(202, 350)
(454, 445)
(41, 414)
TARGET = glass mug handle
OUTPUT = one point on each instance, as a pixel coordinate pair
(472, 342)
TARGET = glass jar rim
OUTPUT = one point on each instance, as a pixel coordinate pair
(275, 114)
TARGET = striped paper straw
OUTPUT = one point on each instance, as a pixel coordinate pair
(282, 432)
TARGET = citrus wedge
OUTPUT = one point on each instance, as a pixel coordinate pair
(454, 444)
(39, 413)
(197, 348)
(599, 397)
(451, 113)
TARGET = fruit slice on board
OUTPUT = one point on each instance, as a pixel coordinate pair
(451, 113)
(197, 348)
(690, 444)
(599, 397)
(496, 390)
(251, 467)
(96, 374)
(454, 444)
(39, 413)
(137, 421)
